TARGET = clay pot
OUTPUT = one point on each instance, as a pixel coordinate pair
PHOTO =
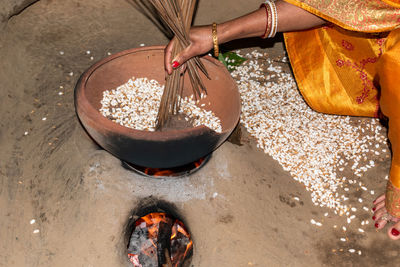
(154, 149)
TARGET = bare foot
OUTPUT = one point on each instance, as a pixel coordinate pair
(382, 217)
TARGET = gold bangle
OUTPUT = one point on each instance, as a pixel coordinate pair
(215, 39)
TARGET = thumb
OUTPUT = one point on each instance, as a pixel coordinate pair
(182, 57)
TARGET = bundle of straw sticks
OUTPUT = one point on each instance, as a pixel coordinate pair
(177, 16)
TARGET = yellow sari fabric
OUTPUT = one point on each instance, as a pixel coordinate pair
(335, 70)
(389, 79)
(394, 3)
(339, 71)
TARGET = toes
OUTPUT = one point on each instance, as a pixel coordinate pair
(378, 206)
(379, 199)
(378, 214)
(379, 224)
(395, 220)
(394, 232)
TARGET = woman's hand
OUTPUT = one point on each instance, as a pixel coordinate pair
(290, 18)
(200, 43)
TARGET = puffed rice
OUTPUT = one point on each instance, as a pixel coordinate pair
(135, 105)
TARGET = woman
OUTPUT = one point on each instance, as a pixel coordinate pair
(345, 56)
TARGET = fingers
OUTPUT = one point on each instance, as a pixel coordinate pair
(168, 56)
(200, 43)
(394, 232)
(182, 57)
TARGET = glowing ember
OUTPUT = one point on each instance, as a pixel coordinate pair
(170, 172)
(159, 240)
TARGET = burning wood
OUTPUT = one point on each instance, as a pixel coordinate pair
(160, 240)
(169, 172)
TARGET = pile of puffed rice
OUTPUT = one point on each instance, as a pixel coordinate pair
(135, 105)
(315, 148)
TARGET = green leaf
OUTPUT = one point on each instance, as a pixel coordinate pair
(222, 59)
(235, 59)
(231, 60)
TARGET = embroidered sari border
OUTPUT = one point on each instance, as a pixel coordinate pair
(392, 200)
(341, 23)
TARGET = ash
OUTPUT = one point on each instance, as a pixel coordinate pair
(314, 148)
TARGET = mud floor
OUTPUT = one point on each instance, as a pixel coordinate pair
(65, 202)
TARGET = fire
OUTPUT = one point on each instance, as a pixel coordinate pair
(159, 240)
(159, 172)
(198, 163)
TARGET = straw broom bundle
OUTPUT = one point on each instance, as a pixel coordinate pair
(177, 15)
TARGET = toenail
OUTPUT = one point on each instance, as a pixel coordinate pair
(373, 209)
(373, 218)
(377, 225)
(395, 232)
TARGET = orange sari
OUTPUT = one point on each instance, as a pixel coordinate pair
(340, 67)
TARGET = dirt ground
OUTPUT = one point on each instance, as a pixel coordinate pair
(239, 207)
